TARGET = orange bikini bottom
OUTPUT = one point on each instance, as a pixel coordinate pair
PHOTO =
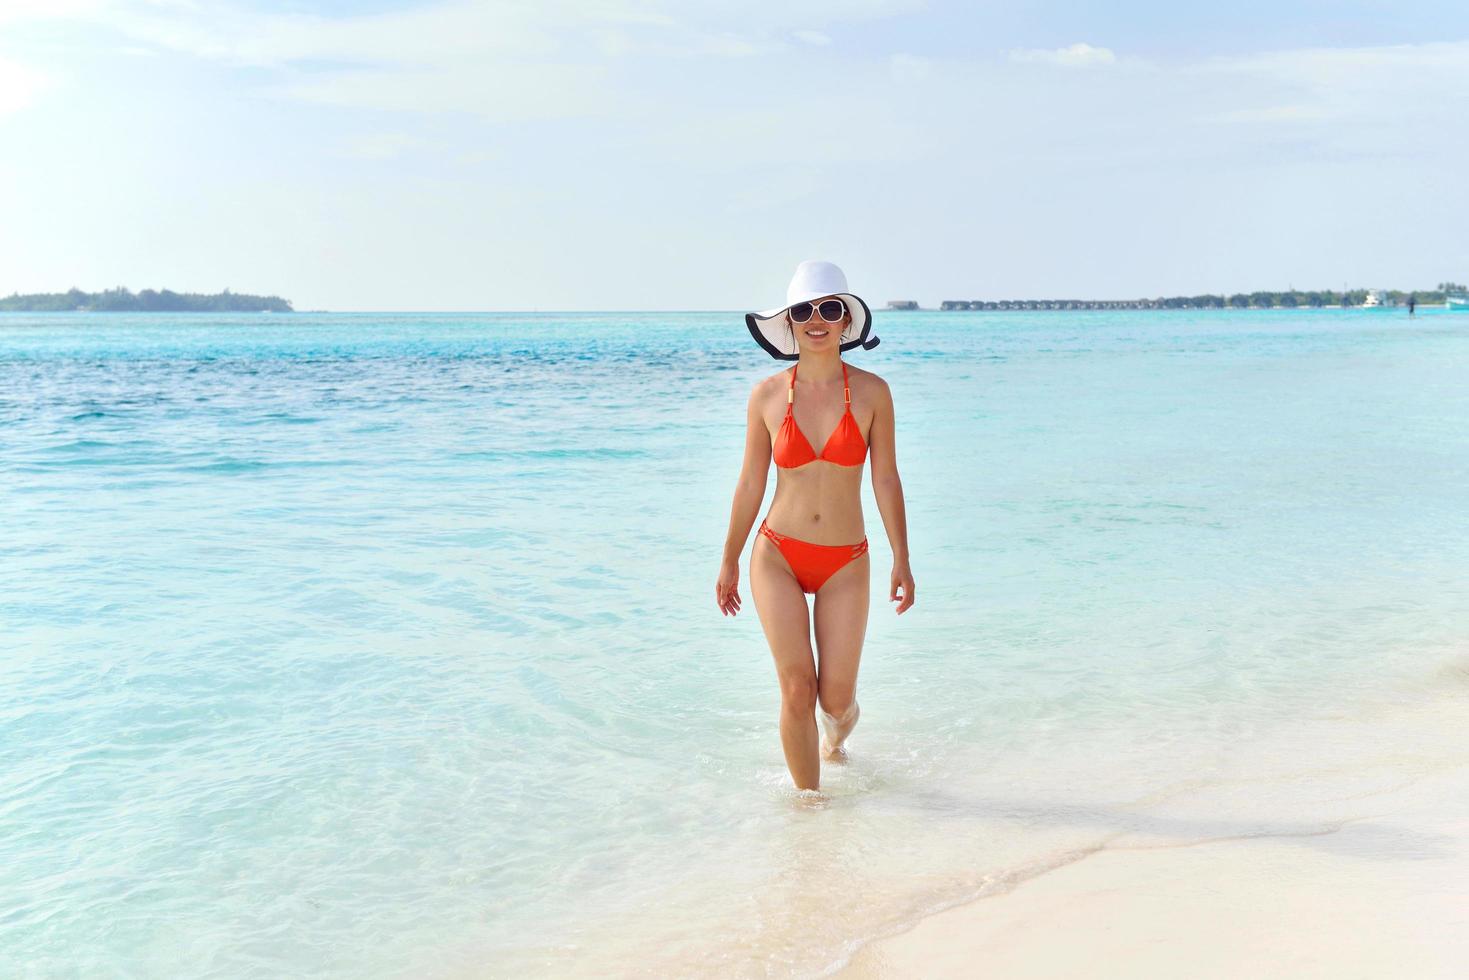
(813, 564)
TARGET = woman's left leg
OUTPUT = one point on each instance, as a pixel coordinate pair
(840, 620)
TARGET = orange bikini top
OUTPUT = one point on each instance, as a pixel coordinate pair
(845, 446)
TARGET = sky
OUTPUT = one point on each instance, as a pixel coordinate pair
(663, 155)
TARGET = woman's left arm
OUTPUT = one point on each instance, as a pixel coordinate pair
(888, 489)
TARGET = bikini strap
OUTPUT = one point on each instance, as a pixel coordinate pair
(846, 386)
(765, 529)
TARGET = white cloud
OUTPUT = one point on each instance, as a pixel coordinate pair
(473, 158)
(909, 68)
(13, 11)
(495, 91)
(19, 85)
(1078, 55)
(1274, 114)
(728, 45)
(381, 146)
(454, 29)
(495, 59)
(1380, 87)
(1327, 66)
(436, 34)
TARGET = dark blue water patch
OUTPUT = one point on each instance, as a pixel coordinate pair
(277, 418)
(81, 445)
(598, 452)
(483, 537)
(225, 467)
(87, 452)
(232, 465)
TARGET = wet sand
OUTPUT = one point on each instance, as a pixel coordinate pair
(1357, 873)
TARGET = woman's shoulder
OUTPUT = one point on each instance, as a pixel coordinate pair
(867, 379)
(767, 390)
(769, 385)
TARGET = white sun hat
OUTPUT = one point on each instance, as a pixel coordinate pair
(814, 279)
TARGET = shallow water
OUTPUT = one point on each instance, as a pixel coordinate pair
(386, 645)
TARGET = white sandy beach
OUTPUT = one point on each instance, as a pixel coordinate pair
(1355, 873)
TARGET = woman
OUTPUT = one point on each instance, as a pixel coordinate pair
(806, 542)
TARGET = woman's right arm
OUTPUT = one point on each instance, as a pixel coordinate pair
(749, 494)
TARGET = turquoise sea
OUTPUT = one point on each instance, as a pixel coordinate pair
(386, 645)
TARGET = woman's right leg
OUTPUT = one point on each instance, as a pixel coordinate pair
(840, 614)
(787, 623)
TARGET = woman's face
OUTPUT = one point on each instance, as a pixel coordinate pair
(816, 334)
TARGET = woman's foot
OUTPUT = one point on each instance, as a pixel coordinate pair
(835, 731)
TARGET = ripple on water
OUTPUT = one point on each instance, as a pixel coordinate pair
(343, 644)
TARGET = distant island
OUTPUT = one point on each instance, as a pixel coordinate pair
(121, 300)
(1290, 299)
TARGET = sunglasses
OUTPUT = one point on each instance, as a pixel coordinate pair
(831, 311)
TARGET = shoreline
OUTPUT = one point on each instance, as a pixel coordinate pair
(1334, 846)
(1331, 872)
